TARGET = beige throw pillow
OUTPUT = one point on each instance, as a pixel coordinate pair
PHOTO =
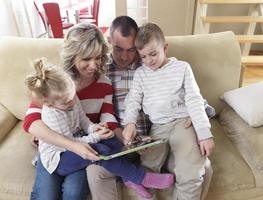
(248, 103)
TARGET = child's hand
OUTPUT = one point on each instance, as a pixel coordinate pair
(128, 133)
(206, 146)
(188, 123)
(103, 132)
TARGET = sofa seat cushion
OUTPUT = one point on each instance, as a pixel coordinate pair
(228, 165)
(17, 172)
(246, 139)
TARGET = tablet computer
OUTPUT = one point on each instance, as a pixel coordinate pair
(133, 147)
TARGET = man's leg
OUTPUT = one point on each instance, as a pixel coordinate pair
(102, 184)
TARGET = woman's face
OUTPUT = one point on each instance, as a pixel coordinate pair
(88, 66)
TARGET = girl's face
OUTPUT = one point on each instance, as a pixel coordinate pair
(88, 66)
(63, 102)
(153, 54)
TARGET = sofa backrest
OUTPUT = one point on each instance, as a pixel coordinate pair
(16, 58)
(215, 60)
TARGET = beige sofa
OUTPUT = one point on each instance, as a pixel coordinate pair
(215, 59)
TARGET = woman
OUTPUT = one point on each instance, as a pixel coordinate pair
(83, 55)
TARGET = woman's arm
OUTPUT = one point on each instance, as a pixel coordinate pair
(42, 132)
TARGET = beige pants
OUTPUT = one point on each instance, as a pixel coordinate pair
(102, 183)
(184, 159)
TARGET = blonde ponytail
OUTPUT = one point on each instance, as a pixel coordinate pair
(48, 79)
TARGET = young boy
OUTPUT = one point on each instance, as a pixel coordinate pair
(167, 91)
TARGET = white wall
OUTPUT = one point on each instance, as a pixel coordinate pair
(107, 12)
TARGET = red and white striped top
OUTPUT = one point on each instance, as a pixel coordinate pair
(96, 101)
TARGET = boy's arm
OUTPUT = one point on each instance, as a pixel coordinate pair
(133, 104)
(195, 106)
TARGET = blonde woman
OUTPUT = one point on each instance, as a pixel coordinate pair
(84, 55)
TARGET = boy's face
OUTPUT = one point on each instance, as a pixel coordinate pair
(153, 54)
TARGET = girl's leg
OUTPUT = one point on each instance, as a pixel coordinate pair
(113, 143)
(71, 162)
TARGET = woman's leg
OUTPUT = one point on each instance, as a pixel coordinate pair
(46, 186)
(53, 186)
(75, 186)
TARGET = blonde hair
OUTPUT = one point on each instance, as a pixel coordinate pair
(148, 32)
(48, 79)
(83, 41)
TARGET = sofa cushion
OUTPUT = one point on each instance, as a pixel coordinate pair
(247, 102)
(16, 63)
(246, 139)
(7, 121)
(228, 165)
(17, 172)
(214, 74)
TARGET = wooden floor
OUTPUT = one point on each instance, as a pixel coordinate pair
(252, 74)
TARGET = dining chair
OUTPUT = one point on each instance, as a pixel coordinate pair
(52, 12)
(93, 17)
(42, 18)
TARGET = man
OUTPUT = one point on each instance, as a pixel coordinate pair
(123, 62)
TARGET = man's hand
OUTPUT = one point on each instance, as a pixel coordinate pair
(34, 141)
(129, 132)
(206, 146)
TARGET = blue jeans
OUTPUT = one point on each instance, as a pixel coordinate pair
(56, 187)
(71, 162)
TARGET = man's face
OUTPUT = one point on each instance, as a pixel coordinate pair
(123, 49)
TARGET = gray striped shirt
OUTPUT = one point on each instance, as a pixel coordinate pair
(167, 94)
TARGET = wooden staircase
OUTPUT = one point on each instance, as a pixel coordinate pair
(255, 15)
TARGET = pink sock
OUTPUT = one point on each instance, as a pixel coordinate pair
(158, 181)
(139, 189)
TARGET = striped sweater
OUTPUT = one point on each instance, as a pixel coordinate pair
(96, 101)
(166, 94)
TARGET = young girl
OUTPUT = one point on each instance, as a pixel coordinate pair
(62, 112)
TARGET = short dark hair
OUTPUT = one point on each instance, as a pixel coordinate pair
(124, 24)
(148, 32)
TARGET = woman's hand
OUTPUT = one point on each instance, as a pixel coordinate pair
(85, 151)
(129, 132)
(34, 141)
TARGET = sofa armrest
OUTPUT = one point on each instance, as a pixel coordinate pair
(7, 121)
